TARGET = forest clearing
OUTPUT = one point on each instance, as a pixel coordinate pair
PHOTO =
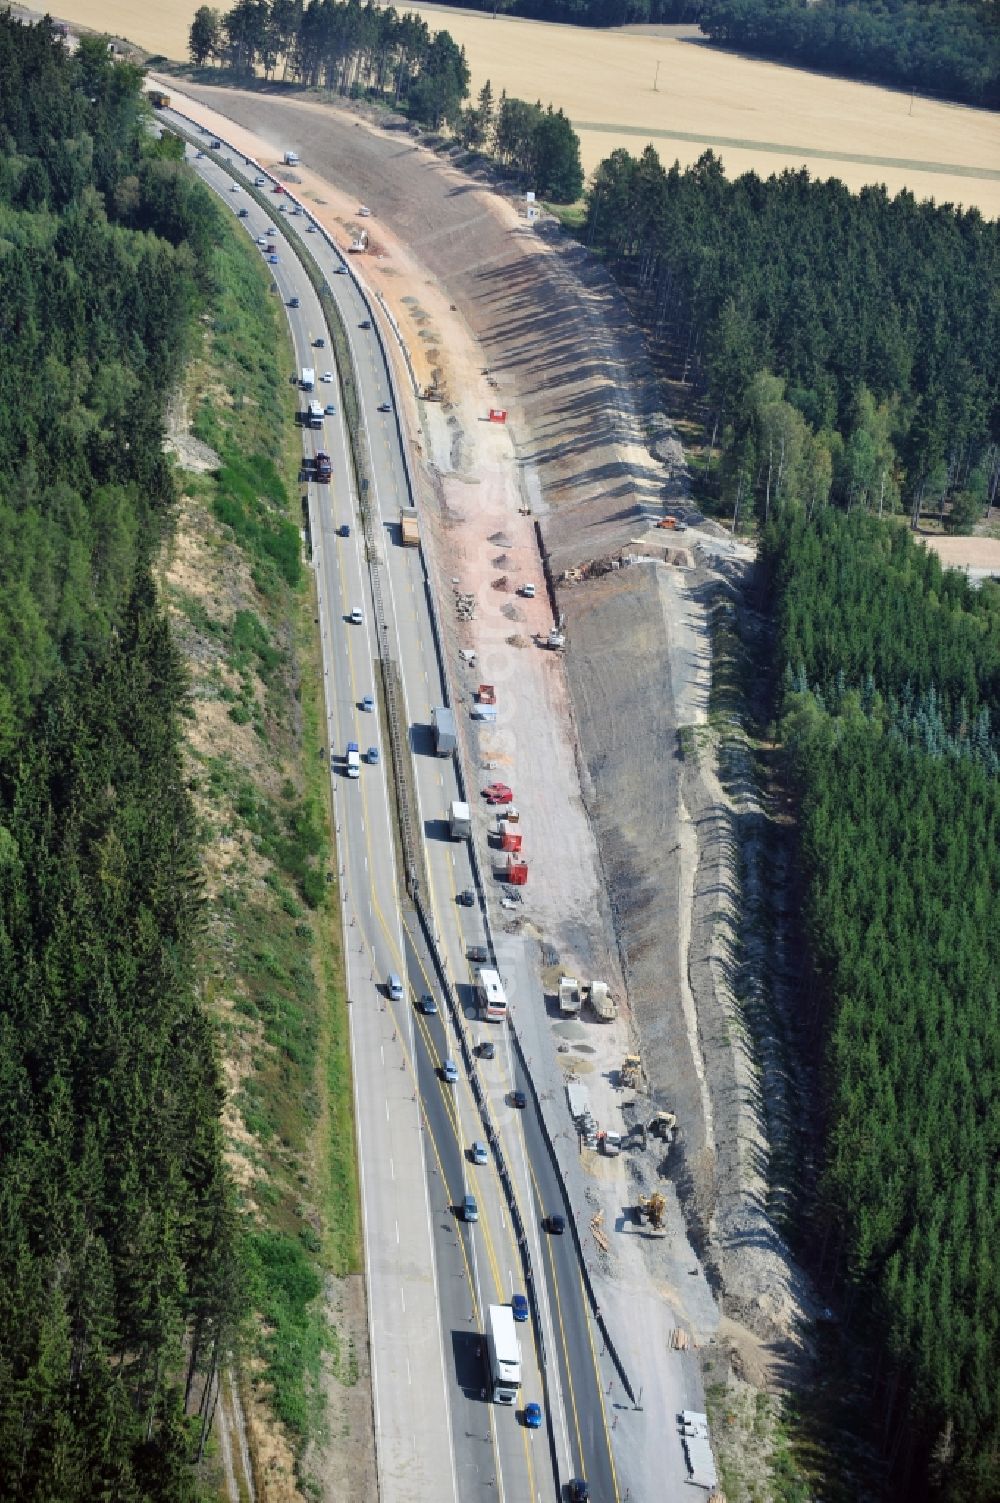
(755, 115)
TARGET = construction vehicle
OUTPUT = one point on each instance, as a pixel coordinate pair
(459, 821)
(662, 1125)
(610, 1144)
(630, 1073)
(556, 640)
(409, 529)
(602, 1004)
(651, 1210)
(291, 159)
(157, 98)
(359, 244)
(569, 996)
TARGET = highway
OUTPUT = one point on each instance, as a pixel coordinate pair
(430, 1276)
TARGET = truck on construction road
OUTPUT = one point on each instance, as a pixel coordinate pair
(445, 739)
(409, 529)
(291, 159)
(459, 821)
(503, 1352)
(569, 996)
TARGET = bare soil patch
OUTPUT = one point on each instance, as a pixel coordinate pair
(976, 554)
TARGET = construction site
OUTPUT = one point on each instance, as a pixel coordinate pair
(577, 591)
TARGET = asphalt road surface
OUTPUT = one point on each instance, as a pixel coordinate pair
(430, 1275)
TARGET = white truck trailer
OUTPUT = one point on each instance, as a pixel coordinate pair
(491, 996)
(307, 380)
(504, 1353)
(459, 821)
(445, 739)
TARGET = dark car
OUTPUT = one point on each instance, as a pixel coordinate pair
(466, 898)
(319, 342)
(519, 1307)
(344, 530)
(578, 1491)
(365, 323)
(533, 1416)
(216, 145)
(384, 407)
(243, 214)
(487, 1049)
(427, 1004)
(478, 953)
(293, 302)
(555, 1225)
(519, 1099)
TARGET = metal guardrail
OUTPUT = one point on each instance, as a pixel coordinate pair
(396, 725)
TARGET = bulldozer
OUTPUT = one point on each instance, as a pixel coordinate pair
(652, 1210)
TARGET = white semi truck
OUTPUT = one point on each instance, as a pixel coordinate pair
(459, 821)
(504, 1354)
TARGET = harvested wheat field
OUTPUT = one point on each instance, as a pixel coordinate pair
(754, 114)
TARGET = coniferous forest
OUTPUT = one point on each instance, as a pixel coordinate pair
(891, 703)
(939, 46)
(390, 56)
(118, 1282)
(841, 346)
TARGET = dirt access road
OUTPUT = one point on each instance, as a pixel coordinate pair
(498, 314)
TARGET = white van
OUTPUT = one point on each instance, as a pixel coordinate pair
(395, 987)
(353, 760)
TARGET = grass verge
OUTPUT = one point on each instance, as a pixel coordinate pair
(241, 601)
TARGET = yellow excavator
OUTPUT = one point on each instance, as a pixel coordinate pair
(630, 1073)
(652, 1209)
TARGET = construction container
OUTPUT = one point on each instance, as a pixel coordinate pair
(486, 694)
(511, 840)
(484, 712)
(517, 872)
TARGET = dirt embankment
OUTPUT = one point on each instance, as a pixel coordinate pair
(569, 364)
(474, 289)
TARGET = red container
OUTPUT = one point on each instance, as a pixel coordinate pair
(517, 872)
